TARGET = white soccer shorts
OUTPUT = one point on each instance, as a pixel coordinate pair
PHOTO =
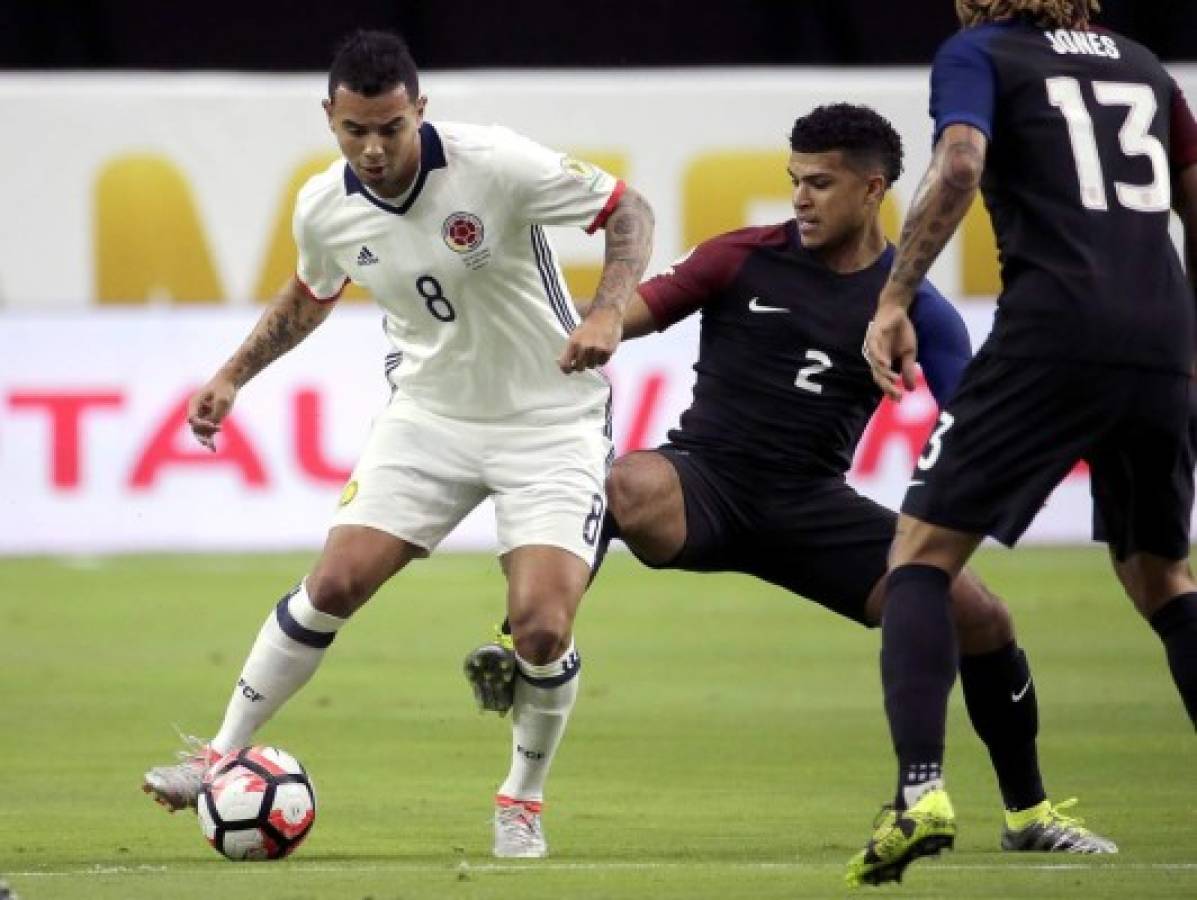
(421, 474)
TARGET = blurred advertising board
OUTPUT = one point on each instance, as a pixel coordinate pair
(139, 189)
(96, 457)
(149, 218)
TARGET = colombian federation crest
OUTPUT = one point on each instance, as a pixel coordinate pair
(462, 232)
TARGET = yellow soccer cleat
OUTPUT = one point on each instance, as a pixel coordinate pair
(899, 838)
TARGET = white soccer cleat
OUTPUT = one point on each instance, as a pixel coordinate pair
(518, 834)
(177, 786)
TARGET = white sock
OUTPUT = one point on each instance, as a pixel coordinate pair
(285, 655)
(544, 697)
(912, 793)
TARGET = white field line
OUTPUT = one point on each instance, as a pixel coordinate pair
(466, 868)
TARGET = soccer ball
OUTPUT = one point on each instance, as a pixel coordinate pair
(256, 803)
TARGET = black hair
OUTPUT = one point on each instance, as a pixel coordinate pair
(372, 63)
(861, 133)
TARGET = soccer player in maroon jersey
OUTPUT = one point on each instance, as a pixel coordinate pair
(1081, 144)
(752, 480)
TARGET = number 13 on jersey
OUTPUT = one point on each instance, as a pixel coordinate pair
(1134, 138)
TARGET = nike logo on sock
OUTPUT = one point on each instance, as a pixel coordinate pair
(1026, 687)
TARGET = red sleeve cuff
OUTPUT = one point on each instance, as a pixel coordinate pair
(307, 290)
(605, 213)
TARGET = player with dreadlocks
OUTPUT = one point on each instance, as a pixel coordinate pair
(1082, 145)
(1043, 13)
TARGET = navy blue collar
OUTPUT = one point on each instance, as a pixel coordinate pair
(432, 156)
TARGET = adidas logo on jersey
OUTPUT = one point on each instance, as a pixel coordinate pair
(365, 257)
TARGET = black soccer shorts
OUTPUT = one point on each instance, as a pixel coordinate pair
(812, 535)
(1016, 427)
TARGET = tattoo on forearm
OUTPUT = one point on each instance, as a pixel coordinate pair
(287, 322)
(629, 234)
(941, 202)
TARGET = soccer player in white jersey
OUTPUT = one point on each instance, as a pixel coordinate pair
(495, 394)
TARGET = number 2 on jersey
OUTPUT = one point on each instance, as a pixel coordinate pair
(820, 363)
(438, 304)
(1134, 138)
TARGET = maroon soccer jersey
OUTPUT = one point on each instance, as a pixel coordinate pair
(781, 379)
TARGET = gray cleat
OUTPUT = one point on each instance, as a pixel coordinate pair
(1054, 832)
(177, 786)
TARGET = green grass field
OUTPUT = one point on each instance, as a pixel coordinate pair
(729, 740)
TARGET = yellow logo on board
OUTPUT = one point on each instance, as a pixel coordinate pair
(151, 243)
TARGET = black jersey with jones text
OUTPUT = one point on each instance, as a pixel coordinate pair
(781, 381)
(1085, 130)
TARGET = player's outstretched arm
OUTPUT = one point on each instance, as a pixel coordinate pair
(940, 204)
(292, 316)
(629, 236)
(637, 317)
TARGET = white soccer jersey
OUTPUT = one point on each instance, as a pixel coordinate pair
(476, 306)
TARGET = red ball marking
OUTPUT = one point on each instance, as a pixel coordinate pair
(242, 780)
(257, 755)
(272, 849)
(221, 766)
(291, 829)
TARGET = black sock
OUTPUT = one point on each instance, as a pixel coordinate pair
(1176, 624)
(607, 533)
(918, 667)
(1000, 697)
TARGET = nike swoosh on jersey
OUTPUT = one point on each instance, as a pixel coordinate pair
(1026, 687)
(916, 483)
(756, 306)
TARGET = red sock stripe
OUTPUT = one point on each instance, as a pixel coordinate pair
(533, 806)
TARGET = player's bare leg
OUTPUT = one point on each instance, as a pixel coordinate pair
(644, 495)
(544, 587)
(355, 562)
(645, 509)
(1165, 594)
(982, 621)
